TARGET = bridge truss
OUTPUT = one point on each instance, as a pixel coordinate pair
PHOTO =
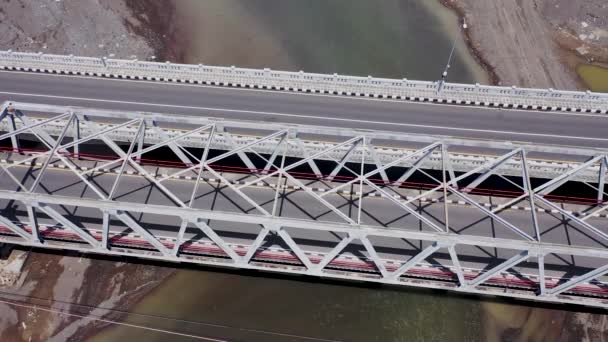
(338, 203)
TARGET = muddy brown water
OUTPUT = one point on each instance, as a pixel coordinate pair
(388, 38)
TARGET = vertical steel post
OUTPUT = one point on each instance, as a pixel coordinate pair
(458, 268)
(530, 193)
(361, 176)
(12, 126)
(31, 213)
(275, 203)
(601, 180)
(446, 214)
(76, 136)
(105, 231)
(541, 275)
(140, 143)
(180, 237)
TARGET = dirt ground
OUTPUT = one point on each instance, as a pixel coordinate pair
(532, 43)
(113, 28)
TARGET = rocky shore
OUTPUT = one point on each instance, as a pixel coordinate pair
(72, 283)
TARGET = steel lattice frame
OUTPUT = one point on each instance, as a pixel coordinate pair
(521, 243)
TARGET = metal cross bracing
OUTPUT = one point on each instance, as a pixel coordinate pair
(337, 211)
(463, 162)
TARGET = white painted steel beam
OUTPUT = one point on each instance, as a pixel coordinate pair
(85, 236)
(16, 229)
(511, 262)
(193, 214)
(598, 272)
(420, 256)
(457, 268)
(149, 237)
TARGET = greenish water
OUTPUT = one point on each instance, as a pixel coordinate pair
(318, 310)
(391, 38)
(595, 77)
(383, 38)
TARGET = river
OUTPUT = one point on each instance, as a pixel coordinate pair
(385, 38)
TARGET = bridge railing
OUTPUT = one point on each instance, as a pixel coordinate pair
(469, 94)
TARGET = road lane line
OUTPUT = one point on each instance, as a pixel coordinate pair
(290, 93)
(302, 116)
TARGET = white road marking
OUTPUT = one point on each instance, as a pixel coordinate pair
(286, 92)
(302, 116)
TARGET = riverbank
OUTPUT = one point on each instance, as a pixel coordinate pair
(72, 283)
(537, 43)
(83, 284)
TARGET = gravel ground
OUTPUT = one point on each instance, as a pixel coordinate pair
(84, 27)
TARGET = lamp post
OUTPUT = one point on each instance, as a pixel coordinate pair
(444, 75)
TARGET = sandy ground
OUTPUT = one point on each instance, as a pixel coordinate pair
(514, 40)
(507, 322)
(532, 43)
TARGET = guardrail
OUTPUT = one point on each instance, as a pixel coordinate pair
(424, 91)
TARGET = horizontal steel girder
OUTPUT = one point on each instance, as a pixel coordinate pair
(462, 162)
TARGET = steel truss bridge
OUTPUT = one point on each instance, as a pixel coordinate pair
(472, 216)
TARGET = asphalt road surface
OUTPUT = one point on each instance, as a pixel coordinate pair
(556, 128)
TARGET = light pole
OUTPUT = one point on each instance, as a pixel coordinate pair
(444, 75)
